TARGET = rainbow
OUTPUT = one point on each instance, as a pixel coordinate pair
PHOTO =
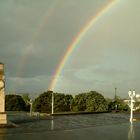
(77, 39)
(28, 49)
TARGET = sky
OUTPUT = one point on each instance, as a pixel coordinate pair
(34, 36)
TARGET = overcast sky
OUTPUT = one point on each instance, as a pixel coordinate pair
(34, 35)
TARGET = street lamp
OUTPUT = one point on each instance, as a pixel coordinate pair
(132, 95)
(31, 106)
(52, 102)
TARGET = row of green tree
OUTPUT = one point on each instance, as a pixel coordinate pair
(89, 102)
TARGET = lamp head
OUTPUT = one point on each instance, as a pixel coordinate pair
(129, 93)
(134, 93)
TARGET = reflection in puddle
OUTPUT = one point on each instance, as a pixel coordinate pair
(131, 133)
(52, 123)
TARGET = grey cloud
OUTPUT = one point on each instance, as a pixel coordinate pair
(50, 26)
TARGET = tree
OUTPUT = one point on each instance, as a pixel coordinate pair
(59, 102)
(68, 101)
(91, 101)
(118, 105)
(14, 103)
(62, 102)
(43, 102)
(95, 102)
(79, 102)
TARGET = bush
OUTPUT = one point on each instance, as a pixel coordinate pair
(14, 103)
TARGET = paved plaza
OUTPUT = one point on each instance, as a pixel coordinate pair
(108, 126)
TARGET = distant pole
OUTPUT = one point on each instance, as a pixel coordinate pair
(52, 102)
(115, 99)
(115, 92)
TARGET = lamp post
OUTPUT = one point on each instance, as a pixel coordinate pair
(131, 94)
(52, 102)
(31, 106)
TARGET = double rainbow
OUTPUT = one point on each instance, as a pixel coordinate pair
(77, 39)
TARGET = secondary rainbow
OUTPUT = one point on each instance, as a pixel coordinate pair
(77, 39)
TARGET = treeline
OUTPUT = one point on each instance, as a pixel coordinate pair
(89, 102)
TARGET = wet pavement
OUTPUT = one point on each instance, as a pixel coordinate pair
(105, 126)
